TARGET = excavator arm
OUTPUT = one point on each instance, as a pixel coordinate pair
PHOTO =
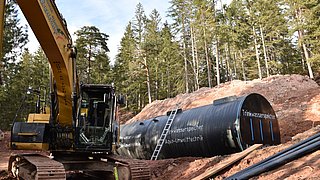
(50, 29)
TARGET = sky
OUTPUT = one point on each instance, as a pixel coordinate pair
(110, 16)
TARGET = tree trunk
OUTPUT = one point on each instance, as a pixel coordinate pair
(257, 52)
(207, 59)
(168, 89)
(148, 79)
(139, 98)
(185, 60)
(89, 65)
(156, 82)
(229, 69)
(264, 51)
(235, 64)
(197, 62)
(2, 19)
(307, 55)
(300, 35)
(242, 66)
(217, 62)
(194, 63)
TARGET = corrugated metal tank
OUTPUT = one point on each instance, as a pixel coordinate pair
(227, 126)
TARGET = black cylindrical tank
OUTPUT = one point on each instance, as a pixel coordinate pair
(227, 126)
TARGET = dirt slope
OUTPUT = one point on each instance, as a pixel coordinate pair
(296, 101)
(307, 167)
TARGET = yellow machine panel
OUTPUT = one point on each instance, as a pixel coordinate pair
(30, 146)
(38, 118)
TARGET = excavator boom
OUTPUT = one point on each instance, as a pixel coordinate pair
(50, 29)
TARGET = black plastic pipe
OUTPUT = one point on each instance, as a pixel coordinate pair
(293, 152)
(281, 153)
(227, 126)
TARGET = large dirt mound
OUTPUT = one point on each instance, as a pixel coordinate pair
(276, 89)
(296, 101)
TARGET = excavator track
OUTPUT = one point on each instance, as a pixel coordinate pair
(35, 166)
(139, 169)
(39, 167)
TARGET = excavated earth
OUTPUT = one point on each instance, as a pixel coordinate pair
(296, 101)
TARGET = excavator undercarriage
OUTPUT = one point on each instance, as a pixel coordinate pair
(38, 167)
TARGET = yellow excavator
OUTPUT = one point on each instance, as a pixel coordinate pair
(81, 131)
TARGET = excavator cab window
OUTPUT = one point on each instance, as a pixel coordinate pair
(95, 119)
(98, 113)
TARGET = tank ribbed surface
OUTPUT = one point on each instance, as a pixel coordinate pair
(227, 126)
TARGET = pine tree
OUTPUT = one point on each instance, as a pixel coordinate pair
(172, 75)
(15, 38)
(139, 63)
(180, 13)
(126, 73)
(304, 19)
(92, 59)
(205, 23)
(151, 48)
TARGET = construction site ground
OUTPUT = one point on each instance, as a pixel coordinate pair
(295, 99)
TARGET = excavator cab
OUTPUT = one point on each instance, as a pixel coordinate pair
(95, 122)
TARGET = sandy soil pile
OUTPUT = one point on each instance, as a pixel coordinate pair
(296, 101)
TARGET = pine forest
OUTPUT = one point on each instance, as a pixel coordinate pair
(198, 43)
